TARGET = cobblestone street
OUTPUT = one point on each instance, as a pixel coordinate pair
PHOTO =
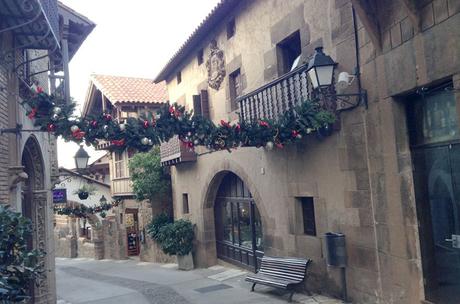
(134, 282)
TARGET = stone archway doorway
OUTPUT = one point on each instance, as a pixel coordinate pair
(34, 201)
(238, 224)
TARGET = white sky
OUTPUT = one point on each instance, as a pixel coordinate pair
(131, 38)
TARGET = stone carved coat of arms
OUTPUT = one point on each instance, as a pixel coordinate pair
(215, 66)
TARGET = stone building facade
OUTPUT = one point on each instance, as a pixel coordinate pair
(376, 178)
(80, 237)
(32, 40)
(124, 230)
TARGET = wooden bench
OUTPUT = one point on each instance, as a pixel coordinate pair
(284, 273)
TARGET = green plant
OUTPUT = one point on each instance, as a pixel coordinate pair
(91, 190)
(149, 179)
(177, 238)
(173, 237)
(19, 266)
(153, 228)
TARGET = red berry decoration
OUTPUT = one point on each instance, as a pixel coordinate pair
(238, 128)
(107, 117)
(264, 124)
(295, 133)
(51, 127)
(94, 123)
(32, 113)
(146, 124)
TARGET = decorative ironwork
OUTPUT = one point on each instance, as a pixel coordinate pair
(273, 99)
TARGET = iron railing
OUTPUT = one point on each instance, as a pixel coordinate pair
(276, 97)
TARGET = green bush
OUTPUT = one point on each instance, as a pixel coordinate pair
(157, 222)
(19, 266)
(173, 237)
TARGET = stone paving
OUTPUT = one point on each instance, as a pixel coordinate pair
(130, 281)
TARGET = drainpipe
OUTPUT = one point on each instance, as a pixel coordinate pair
(357, 72)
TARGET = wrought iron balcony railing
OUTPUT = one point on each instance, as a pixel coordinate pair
(276, 97)
(175, 151)
(34, 23)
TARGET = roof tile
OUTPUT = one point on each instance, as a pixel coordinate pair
(120, 89)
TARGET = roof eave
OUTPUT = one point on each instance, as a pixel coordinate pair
(208, 24)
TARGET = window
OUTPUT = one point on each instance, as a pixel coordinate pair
(121, 218)
(231, 28)
(288, 52)
(235, 87)
(119, 165)
(185, 207)
(308, 214)
(179, 77)
(199, 57)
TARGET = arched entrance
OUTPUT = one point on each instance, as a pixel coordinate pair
(34, 201)
(239, 234)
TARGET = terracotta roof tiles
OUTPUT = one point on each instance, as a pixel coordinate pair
(120, 89)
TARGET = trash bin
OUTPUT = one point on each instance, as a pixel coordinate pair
(336, 254)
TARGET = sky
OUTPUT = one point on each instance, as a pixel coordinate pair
(131, 38)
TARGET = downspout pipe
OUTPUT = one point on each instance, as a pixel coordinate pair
(363, 94)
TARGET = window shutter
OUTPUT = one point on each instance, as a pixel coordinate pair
(204, 103)
(197, 105)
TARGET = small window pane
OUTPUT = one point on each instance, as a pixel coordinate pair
(185, 207)
(308, 212)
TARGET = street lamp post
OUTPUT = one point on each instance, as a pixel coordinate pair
(81, 159)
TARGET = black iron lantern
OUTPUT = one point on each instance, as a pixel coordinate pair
(321, 69)
(81, 159)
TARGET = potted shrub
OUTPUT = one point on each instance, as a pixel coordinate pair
(174, 238)
(325, 129)
(84, 192)
(20, 267)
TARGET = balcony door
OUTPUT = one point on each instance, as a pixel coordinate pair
(239, 238)
(436, 158)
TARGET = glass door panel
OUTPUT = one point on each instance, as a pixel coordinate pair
(245, 225)
(438, 179)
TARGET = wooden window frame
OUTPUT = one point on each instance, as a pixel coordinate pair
(235, 87)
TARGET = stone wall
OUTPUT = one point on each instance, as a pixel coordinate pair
(360, 177)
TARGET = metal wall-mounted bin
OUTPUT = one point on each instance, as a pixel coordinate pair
(336, 254)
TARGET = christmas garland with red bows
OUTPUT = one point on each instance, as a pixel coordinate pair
(52, 114)
(83, 211)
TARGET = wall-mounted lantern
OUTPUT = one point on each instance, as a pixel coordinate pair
(321, 69)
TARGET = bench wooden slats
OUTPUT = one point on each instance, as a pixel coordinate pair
(285, 273)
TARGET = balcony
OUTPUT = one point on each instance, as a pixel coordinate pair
(34, 23)
(122, 186)
(174, 152)
(276, 97)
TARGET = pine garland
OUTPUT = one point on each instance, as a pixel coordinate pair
(55, 116)
(83, 211)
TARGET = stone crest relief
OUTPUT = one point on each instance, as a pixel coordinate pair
(215, 66)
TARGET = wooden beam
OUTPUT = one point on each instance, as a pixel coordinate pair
(367, 13)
